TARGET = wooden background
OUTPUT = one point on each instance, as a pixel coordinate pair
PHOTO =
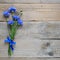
(39, 38)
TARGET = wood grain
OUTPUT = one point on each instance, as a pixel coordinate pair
(50, 29)
(20, 1)
(30, 1)
(50, 1)
(30, 47)
(34, 12)
(29, 39)
(27, 58)
(33, 36)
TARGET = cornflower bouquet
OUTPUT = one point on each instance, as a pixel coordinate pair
(12, 25)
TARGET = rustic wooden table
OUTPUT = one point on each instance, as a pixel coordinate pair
(39, 38)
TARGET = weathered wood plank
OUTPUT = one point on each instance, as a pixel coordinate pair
(29, 39)
(35, 12)
(30, 47)
(41, 16)
(50, 29)
(30, 1)
(18, 6)
(27, 58)
(50, 1)
(20, 1)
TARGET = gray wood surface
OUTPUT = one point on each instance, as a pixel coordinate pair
(30, 1)
(30, 47)
(29, 39)
(36, 12)
(38, 39)
(27, 58)
(50, 29)
(20, 1)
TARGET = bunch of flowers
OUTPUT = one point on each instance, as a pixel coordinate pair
(13, 25)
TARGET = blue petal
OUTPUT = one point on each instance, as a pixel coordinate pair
(15, 17)
(8, 38)
(11, 47)
(6, 14)
(20, 22)
(6, 41)
(12, 43)
(10, 22)
(12, 9)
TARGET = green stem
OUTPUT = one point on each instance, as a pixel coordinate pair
(9, 50)
(12, 35)
(13, 31)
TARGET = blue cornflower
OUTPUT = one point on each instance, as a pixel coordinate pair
(11, 42)
(15, 17)
(10, 22)
(6, 14)
(20, 22)
(12, 9)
